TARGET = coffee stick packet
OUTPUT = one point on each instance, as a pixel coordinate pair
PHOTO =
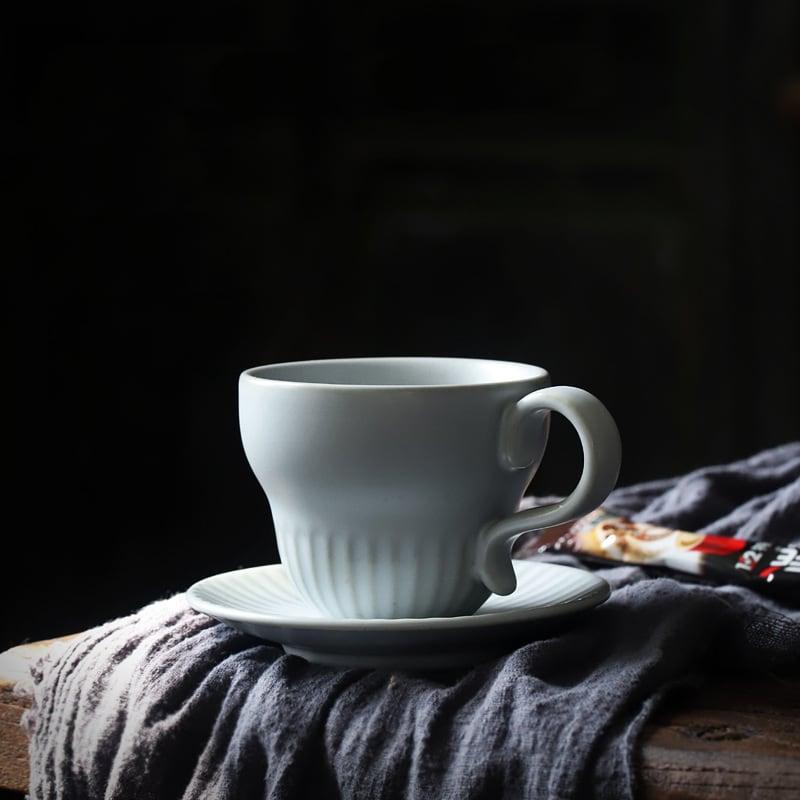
(604, 537)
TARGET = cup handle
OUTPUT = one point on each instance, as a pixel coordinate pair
(602, 454)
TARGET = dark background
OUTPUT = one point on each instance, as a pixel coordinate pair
(608, 189)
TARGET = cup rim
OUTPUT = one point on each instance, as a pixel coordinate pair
(531, 372)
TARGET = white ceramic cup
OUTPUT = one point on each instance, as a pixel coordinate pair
(394, 482)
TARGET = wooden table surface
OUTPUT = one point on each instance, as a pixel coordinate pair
(739, 739)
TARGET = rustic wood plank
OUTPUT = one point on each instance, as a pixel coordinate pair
(13, 741)
(16, 687)
(739, 739)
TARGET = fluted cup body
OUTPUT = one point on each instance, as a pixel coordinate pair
(380, 474)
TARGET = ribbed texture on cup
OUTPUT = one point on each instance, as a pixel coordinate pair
(387, 575)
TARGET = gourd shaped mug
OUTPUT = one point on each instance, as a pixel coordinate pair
(394, 482)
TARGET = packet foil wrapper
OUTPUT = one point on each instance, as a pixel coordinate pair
(604, 537)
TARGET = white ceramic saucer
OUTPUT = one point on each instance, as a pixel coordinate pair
(263, 601)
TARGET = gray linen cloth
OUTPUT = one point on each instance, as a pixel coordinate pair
(168, 703)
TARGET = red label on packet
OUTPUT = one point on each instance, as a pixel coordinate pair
(607, 537)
